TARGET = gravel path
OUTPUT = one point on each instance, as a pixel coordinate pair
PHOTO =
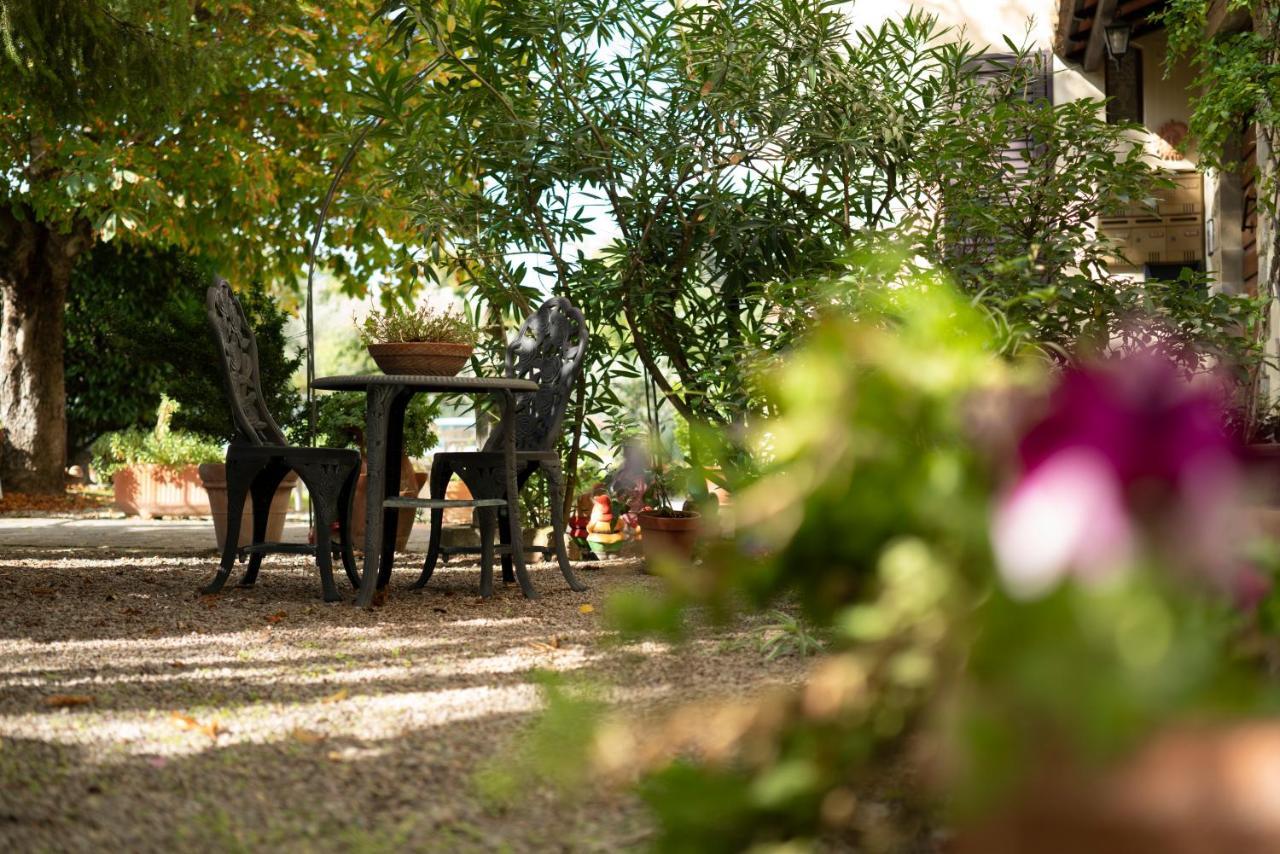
(137, 715)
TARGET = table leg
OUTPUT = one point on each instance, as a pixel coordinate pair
(377, 419)
(514, 522)
(391, 483)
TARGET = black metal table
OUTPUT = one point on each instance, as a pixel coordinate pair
(386, 397)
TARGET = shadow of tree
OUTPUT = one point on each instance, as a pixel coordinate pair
(265, 718)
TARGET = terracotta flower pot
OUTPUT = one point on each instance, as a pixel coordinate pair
(1186, 791)
(410, 486)
(148, 490)
(214, 476)
(1262, 468)
(669, 535)
(429, 358)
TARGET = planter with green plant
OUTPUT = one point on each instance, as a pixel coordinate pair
(424, 340)
(153, 472)
(664, 531)
(340, 421)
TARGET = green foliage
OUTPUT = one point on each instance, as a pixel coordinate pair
(161, 446)
(720, 147)
(730, 156)
(209, 127)
(197, 381)
(553, 752)
(874, 509)
(399, 324)
(1237, 85)
(1238, 74)
(118, 298)
(80, 58)
(136, 329)
(788, 635)
(340, 423)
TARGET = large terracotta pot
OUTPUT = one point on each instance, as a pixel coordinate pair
(214, 476)
(458, 491)
(669, 536)
(148, 490)
(1262, 467)
(1187, 791)
(410, 486)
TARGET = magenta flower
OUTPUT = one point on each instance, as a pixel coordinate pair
(1128, 458)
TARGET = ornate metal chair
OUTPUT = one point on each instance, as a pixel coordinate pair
(259, 458)
(548, 349)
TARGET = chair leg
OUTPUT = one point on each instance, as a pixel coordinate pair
(262, 491)
(440, 475)
(555, 488)
(324, 559)
(240, 474)
(504, 533)
(325, 481)
(346, 500)
(486, 515)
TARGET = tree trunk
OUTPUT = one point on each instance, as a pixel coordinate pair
(35, 269)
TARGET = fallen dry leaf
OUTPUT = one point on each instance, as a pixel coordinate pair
(66, 701)
(585, 609)
(336, 697)
(43, 591)
(20, 503)
(307, 736)
(380, 597)
(277, 616)
(212, 729)
(548, 645)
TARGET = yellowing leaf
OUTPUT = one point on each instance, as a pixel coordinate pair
(212, 729)
(336, 697)
(450, 24)
(585, 609)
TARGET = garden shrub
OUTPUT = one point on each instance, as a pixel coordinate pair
(136, 330)
(161, 445)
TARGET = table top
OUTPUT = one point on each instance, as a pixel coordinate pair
(422, 382)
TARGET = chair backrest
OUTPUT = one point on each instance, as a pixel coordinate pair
(238, 355)
(548, 349)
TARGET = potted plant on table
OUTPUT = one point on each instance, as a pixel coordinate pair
(424, 340)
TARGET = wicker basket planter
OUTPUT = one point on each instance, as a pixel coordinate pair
(423, 358)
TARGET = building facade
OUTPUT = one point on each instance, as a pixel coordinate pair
(1209, 222)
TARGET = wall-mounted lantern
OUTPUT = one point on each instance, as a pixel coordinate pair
(1118, 39)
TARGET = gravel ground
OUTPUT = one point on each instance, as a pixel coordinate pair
(137, 715)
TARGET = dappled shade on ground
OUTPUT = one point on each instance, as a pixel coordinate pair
(135, 713)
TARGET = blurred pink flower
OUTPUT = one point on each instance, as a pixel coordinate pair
(1128, 457)
(1068, 515)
